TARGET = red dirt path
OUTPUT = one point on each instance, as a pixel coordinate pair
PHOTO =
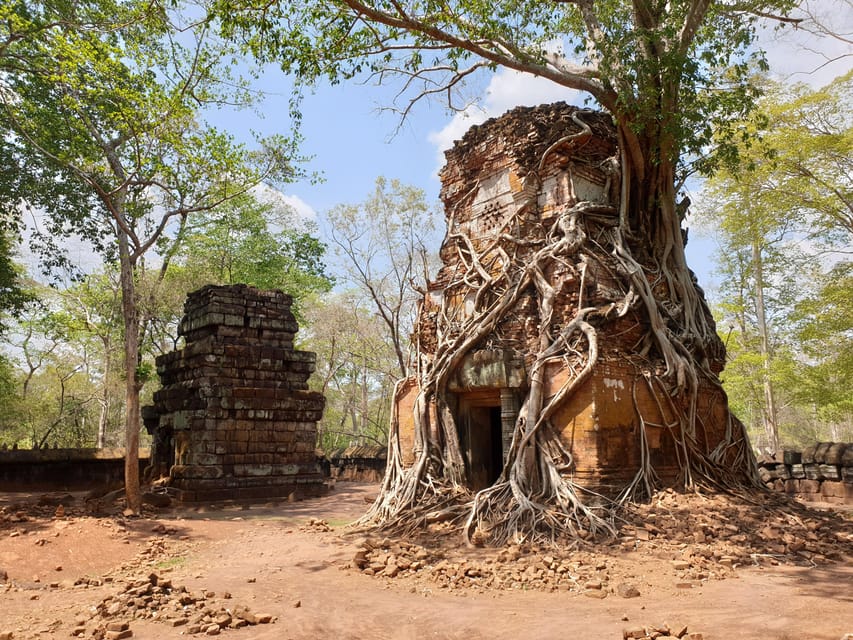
(266, 557)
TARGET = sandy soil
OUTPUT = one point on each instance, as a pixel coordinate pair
(295, 563)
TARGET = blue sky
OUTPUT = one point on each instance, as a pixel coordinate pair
(353, 140)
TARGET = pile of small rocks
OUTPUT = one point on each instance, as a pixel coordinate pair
(704, 537)
(156, 598)
(514, 567)
(65, 505)
(151, 597)
(732, 531)
(316, 525)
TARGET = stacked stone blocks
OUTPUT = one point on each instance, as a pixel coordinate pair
(236, 402)
(822, 472)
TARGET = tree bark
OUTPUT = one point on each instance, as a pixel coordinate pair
(103, 419)
(771, 428)
(131, 361)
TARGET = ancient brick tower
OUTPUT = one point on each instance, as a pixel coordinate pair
(510, 187)
(234, 418)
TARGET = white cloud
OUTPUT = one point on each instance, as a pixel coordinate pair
(270, 195)
(304, 210)
(506, 90)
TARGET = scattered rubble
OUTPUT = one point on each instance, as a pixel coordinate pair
(514, 567)
(137, 590)
(705, 537)
(678, 541)
(720, 532)
(316, 525)
(155, 597)
(663, 631)
(64, 506)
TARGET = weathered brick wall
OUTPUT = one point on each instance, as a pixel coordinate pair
(365, 463)
(820, 473)
(235, 401)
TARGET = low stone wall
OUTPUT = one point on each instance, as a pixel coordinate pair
(358, 463)
(820, 473)
(63, 469)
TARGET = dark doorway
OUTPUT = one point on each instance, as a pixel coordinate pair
(484, 446)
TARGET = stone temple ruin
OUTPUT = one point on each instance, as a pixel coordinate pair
(504, 188)
(234, 418)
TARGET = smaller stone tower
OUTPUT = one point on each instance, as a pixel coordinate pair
(234, 418)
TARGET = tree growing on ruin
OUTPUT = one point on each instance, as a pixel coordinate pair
(107, 99)
(675, 77)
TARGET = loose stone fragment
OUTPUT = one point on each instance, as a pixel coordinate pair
(628, 591)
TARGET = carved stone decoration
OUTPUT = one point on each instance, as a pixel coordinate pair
(234, 418)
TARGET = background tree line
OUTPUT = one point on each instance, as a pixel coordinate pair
(784, 226)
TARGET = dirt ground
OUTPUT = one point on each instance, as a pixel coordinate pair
(297, 572)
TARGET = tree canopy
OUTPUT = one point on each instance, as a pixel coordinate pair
(672, 73)
(261, 244)
(782, 221)
(106, 98)
(382, 243)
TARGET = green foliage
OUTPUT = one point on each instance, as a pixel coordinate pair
(13, 295)
(782, 221)
(112, 112)
(109, 97)
(675, 74)
(10, 410)
(810, 133)
(382, 243)
(356, 370)
(27, 181)
(259, 244)
(824, 326)
(50, 390)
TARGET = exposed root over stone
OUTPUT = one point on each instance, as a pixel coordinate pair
(592, 281)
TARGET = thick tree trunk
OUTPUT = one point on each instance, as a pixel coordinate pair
(131, 362)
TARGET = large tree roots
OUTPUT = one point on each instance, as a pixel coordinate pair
(595, 300)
